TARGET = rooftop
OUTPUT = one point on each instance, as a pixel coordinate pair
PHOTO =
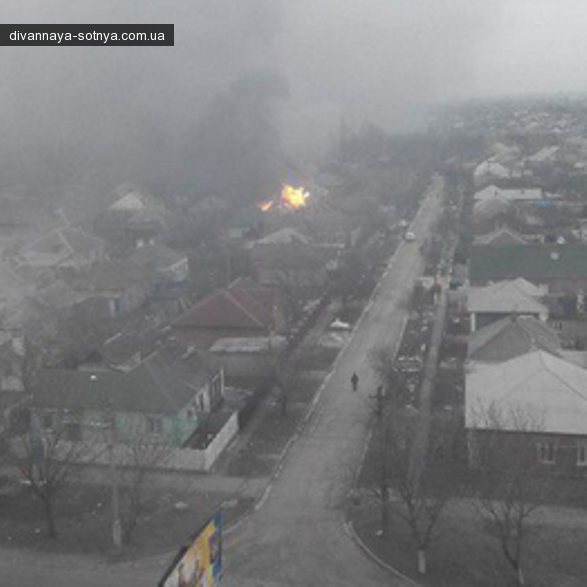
(511, 337)
(501, 236)
(536, 263)
(156, 255)
(243, 305)
(254, 345)
(61, 244)
(518, 295)
(163, 383)
(546, 390)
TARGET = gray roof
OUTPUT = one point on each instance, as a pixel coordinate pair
(59, 295)
(488, 209)
(549, 393)
(293, 256)
(500, 237)
(511, 337)
(253, 345)
(284, 236)
(163, 383)
(61, 244)
(110, 276)
(158, 256)
(517, 295)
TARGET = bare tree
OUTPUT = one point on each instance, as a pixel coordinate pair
(142, 458)
(45, 462)
(504, 447)
(421, 492)
(381, 458)
(42, 455)
(382, 363)
(289, 375)
(389, 396)
(137, 459)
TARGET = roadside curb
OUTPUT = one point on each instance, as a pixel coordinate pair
(350, 530)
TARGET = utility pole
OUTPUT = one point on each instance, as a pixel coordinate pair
(383, 481)
(115, 497)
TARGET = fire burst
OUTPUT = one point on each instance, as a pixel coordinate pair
(266, 205)
(294, 198)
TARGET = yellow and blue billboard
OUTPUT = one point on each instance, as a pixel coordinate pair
(199, 564)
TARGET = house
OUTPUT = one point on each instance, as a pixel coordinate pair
(169, 266)
(501, 236)
(511, 337)
(131, 200)
(244, 223)
(63, 248)
(489, 170)
(164, 399)
(284, 236)
(487, 212)
(498, 300)
(113, 288)
(151, 226)
(563, 268)
(249, 357)
(133, 220)
(535, 397)
(299, 267)
(545, 156)
(244, 309)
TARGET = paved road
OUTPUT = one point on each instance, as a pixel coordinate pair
(297, 536)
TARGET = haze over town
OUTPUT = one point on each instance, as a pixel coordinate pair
(297, 300)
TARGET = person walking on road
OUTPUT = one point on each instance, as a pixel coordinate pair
(355, 381)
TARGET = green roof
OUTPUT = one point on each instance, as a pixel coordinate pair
(536, 263)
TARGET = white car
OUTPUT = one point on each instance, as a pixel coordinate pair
(340, 325)
(410, 236)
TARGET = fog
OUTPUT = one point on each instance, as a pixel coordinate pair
(252, 85)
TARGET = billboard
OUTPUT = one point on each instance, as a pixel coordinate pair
(199, 564)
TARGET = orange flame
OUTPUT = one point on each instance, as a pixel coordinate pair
(294, 198)
(267, 205)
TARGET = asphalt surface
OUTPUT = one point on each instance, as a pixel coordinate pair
(296, 537)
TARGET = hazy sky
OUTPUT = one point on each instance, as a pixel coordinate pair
(364, 60)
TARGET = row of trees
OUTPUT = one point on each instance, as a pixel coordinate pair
(416, 483)
(47, 462)
(43, 457)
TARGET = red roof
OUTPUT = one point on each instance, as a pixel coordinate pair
(243, 304)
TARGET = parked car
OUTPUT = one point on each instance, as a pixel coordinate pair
(410, 236)
(340, 325)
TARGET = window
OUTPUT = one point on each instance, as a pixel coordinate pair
(581, 454)
(154, 426)
(547, 452)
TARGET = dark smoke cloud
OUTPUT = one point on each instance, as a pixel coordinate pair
(201, 116)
